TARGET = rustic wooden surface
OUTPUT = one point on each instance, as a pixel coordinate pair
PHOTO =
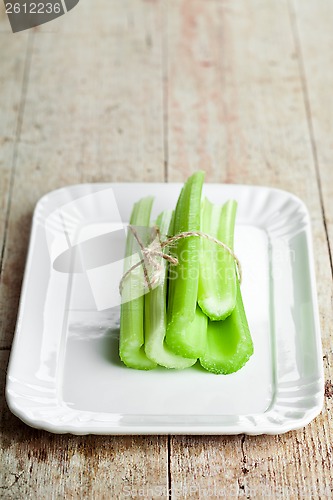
(149, 90)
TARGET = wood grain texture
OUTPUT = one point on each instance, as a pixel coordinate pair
(13, 64)
(78, 128)
(93, 111)
(37, 464)
(236, 108)
(312, 22)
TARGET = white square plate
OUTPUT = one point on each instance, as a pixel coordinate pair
(65, 374)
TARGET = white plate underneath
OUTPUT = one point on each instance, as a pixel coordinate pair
(65, 374)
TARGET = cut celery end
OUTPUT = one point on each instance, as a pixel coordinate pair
(217, 278)
(217, 308)
(131, 340)
(183, 279)
(229, 342)
(135, 357)
(156, 316)
(155, 346)
(189, 339)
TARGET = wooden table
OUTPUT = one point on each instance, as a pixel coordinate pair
(146, 90)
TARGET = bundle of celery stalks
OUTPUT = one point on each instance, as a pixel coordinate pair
(197, 312)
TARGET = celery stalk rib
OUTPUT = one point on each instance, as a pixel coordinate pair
(192, 338)
(183, 279)
(156, 314)
(131, 347)
(217, 278)
(229, 342)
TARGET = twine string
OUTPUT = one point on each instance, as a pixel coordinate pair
(150, 254)
(145, 257)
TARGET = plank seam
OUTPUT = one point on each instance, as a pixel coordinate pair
(244, 470)
(165, 60)
(169, 467)
(307, 104)
(25, 78)
(165, 76)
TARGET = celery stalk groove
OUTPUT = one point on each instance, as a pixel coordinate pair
(131, 346)
(229, 342)
(183, 279)
(156, 315)
(217, 278)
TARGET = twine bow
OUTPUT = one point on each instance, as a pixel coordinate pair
(152, 252)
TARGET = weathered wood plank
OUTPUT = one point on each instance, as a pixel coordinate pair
(36, 464)
(236, 109)
(13, 64)
(93, 112)
(313, 31)
(82, 129)
(205, 466)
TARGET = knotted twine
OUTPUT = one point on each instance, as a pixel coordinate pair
(152, 252)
